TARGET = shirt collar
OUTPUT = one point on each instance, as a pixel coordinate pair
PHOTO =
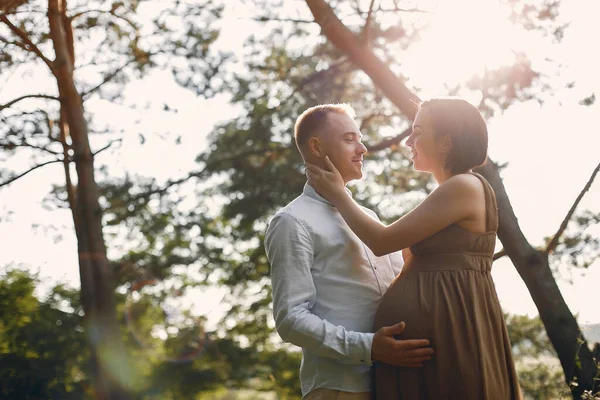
(311, 192)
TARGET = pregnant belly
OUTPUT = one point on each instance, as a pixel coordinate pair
(407, 300)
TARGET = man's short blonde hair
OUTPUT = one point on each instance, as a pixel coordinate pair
(314, 118)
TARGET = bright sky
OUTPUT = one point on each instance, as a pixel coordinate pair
(551, 149)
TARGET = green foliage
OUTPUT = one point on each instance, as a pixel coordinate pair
(540, 374)
(114, 43)
(44, 344)
(45, 354)
(43, 349)
(579, 246)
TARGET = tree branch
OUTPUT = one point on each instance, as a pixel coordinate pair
(345, 40)
(554, 242)
(396, 9)
(367, 26)
(14, 43)
(367, 120)
(14, 178)
(315, 76)
(406, 10)
(108, 145)
(21, 114)
(71, 190)
(333, 68)
(30, 11)
(499, 254)
(33, 146)
(111, 12)
(32, 47)
(533, 267)
(197, 174)
(28, 96)
(265, 18)
(11, 6)
(106, 79)
(79, 14)
(384, 144)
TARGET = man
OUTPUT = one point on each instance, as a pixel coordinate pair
(326, 283)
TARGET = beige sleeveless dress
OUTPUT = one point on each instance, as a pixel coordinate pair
(445, 293)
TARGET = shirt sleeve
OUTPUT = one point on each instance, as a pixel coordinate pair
(290, 252)
(397, 261)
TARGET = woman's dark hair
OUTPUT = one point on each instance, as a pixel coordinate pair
(465, 126)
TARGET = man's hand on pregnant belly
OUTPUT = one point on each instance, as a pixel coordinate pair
(397, 352)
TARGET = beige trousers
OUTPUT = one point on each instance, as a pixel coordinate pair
(331, 394)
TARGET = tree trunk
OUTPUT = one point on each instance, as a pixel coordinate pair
(561, 326)
(364, 58)
(97, 291)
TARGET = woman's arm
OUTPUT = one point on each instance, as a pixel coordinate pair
(455, 200)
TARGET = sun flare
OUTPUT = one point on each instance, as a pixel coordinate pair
(466, 37)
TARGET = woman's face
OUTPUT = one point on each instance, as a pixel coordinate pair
(429, 152)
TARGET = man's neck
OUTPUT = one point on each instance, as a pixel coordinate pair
(317, 192)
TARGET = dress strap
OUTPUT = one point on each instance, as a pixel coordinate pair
(491, 206)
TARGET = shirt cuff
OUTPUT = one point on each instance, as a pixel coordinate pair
(365, 348)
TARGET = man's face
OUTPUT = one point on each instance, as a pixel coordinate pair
(341, 140)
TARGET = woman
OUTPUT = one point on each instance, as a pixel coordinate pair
(445, 292)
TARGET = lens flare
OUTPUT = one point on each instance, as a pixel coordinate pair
(177, 337)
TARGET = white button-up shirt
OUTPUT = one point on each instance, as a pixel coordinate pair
(327, 285)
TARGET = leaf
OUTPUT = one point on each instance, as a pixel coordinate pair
(588, 101)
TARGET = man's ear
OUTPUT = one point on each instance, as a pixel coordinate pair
(314, 147)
